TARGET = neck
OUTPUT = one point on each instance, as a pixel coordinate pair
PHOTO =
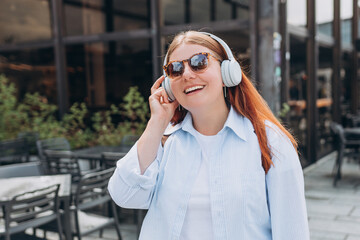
(210, 121)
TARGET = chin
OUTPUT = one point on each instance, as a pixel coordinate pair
(193, 106)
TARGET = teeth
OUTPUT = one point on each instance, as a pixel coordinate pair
(193, 89)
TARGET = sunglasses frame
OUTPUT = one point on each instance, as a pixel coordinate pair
(166, 67)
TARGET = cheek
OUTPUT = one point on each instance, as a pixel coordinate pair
(175, 87)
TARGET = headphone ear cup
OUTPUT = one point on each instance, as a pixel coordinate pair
(225, 73)
(231, 73)
(166, 85)
(235, 72)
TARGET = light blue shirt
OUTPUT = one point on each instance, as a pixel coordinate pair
(245, 203)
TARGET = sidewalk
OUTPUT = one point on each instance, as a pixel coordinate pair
(334, 213)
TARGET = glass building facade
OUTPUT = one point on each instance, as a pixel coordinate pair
(92, 51)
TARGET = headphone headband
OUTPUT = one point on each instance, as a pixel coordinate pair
(230, 69)
(219, 40)
(223, 44)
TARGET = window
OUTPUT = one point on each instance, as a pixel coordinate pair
(86, 17)
(325, 16)
(296, 12)
(100, 74)
(32, 70)
(24, 20)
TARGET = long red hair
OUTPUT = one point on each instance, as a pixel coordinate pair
(244, 98)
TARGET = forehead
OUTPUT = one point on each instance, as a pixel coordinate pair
(185, 51)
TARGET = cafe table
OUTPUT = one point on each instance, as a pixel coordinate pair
(96, 151)
(17, 185)
(94, 154)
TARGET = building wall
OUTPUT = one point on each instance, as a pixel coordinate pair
(111, 45)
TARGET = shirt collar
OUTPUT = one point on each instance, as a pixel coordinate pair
(235, 122)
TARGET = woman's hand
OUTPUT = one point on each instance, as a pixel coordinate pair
(160, 106)
(162, 110)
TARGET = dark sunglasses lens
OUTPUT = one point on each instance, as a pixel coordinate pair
(199, 62)
(175, 69)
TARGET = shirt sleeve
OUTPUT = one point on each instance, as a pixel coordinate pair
(127, 187)
(285, 191)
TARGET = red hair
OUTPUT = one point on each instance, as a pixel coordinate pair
(244, 98)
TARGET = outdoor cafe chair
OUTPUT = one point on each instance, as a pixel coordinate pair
(352, 120)
(31, 210)
(347, 145)
(92, 195)
(109, 159)
(14, 151)
(31, 138)
(62, 162)
(128, 141)
(58, 144)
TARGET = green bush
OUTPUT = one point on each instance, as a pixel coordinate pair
(35, 114)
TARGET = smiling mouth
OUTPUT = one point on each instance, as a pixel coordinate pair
(193, 89)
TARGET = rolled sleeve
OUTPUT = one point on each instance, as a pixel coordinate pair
(130, 189)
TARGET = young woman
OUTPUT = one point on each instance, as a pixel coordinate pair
(227, 170)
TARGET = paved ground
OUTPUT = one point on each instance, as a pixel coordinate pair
(334, 213)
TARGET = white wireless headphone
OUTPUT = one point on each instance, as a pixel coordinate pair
(230, 69)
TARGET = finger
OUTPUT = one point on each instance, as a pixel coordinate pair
(164, 96)
(158, 94)
(157, 84)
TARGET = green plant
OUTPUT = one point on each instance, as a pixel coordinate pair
(11, 119)
(78, 134)
(104, 127)
(136, 112)
(40, 116)
(36, 114)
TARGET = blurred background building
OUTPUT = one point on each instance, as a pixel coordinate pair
(299, 52)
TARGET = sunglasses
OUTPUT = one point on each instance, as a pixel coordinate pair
(197, 62)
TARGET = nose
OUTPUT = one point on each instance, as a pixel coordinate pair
(188, 73)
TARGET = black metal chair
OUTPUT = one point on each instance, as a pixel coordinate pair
(58, 144)
(14, 151)
(22, 170)
(109, 159)
(92, 194)
(128, 141)
(62, 162)
(31, 210)
(31, 138)
(346, 144)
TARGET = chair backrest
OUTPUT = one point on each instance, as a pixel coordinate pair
(31, 138)
(30, 210)
(59, 144)
(92, 189)
(14, 151)
(338, 131)
(22, 170)
(62, 162)
(127, 142)
(109, 159)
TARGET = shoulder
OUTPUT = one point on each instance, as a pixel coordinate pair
(274, 134)
(283, 153)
